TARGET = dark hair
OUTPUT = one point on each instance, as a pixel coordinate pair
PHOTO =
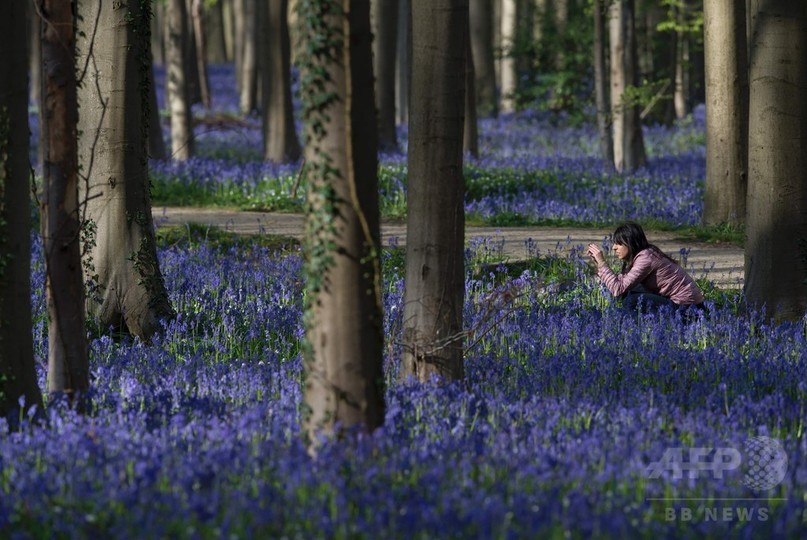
(631, 235)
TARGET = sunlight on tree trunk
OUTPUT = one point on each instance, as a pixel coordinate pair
(279, 134)
(177, 82)
(629, 153)
(343, 354)
(508, 62)
(726, 112)
(129, 290)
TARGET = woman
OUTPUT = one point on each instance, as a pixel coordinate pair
(648, 275)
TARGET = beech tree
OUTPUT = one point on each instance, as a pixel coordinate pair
(344, 341)
(68, 364)
(726, 112)
(17, 370)
(507, 67)
(435, 275)
(129, 292)
(385, 26)
(776, 228)
(177, 83)
(481, 22)
(629, 153)
(279, 135)
(601, 84)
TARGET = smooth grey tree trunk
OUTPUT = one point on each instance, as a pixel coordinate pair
(385, 42)
(435, 277)
(279, 134)
(68, 363)
(776, 245)
(726, 112)
(249, 58)
(176, 82)
(481, 17)
(629, 153)
(200, 51)
(403, 66)
(344, 385)
(601, 84)
(113, 101)
(508, 75)
(18, 379)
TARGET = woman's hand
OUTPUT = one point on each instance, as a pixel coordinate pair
(595, 253)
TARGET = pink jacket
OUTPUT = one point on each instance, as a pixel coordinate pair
(657, 274)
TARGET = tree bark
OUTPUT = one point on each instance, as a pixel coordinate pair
(68, 364)
(726, 112)
(18, 377)
(176, 80)
(481, 17)
(200, 51)
(435, 277)
(280, 137)
(113, 102)
(776, 246)
(249, 58)
(508, 62)
(601, 84)
(629, 153)
(385, 26)
(403, 66)
(344, 385)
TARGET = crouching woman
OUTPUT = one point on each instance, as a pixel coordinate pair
(649, 278)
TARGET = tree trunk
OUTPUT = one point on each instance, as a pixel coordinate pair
(508, 63)
(629, 152)
(403, 65)
(682, 77)
(726, 112)
(68, 364)
(35, 74)
(17, 370)
(230, 41)
(776, 247)
(481, 17)
(176, 80)
(435, 277)
(200, 51)
(214, 28)
(385, 26)
(343, 356)
(601, 84)
(157, 35)
(239, 28)
(470, 132)
(249, 59)
(112, 154)
(280, 138)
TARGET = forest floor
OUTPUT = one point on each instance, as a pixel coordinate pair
(720, 263)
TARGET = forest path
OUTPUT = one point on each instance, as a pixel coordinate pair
(720, 263)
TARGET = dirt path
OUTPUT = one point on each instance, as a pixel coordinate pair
(721, 264)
